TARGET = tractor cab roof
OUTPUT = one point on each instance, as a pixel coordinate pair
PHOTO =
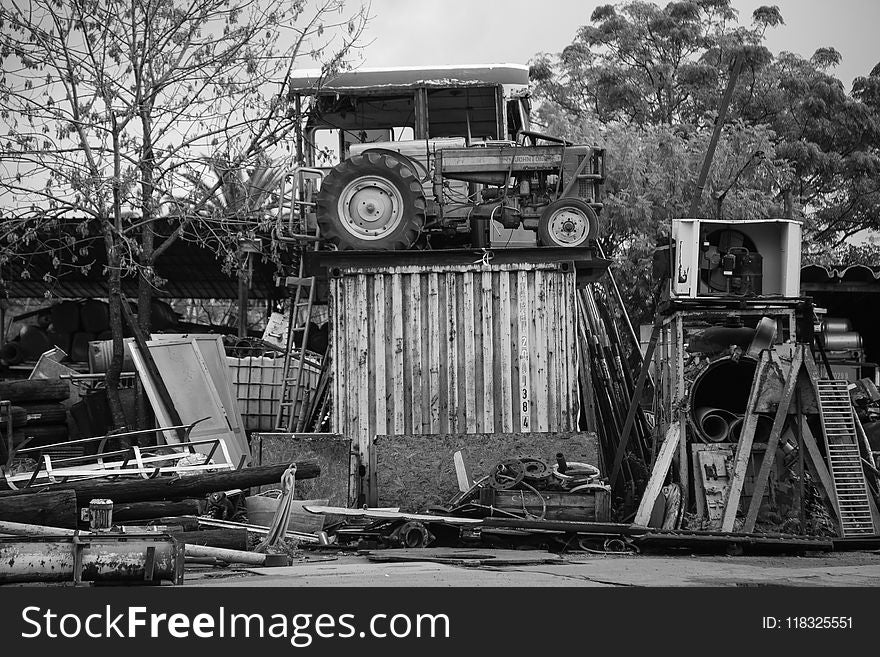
(383, 80)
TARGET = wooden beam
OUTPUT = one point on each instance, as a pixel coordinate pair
(744, 447)
(773, 440)
(658, 474)
(635, 401)
(465, 483)
(55, 508)
(819, 467)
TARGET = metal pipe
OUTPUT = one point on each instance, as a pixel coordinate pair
(714, 424)
(133, 558)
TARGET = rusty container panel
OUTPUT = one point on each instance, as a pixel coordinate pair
(453, 349)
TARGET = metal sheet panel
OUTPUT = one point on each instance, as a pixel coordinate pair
(474, 349)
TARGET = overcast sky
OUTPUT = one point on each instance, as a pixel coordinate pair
(421, 32)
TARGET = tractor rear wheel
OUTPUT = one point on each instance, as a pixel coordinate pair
(371, 201)
(567, 222)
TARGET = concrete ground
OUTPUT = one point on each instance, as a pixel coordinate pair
(325, 569)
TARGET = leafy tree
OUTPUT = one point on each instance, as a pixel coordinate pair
(646, 65)
(111, 106)
(651, 176)
(795, 140)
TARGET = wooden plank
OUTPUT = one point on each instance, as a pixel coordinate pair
(366, 418)
(337, 340)
(487, 324)
(397, 346)
(414, 328)
(699, 491)
(658, 474)
(506, 351)
(635, 400)
(378, 338)
(462, 475)
(453, 338)
(556, 353)
(819, 467)
(470, 374)
(681, 396)
(541, 401)
(744, 446)
(434, 352)
(773, 439)
(524, 390)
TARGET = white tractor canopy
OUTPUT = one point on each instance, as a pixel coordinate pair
(311, 82)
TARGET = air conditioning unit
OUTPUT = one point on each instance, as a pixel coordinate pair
(717, 258)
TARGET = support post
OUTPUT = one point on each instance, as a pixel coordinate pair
(744, 447)
(773, 440)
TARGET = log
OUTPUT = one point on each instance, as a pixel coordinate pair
(177, 487)
(33, 390)
(155, 509)
(230, 539)
(56, 508)
(26, 529)
(229, 556)
(45, 413)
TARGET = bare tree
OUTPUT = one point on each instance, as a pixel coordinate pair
(111, 106)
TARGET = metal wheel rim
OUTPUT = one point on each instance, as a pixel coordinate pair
(569, 226)
(370, 207)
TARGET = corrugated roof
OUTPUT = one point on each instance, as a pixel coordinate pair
(840, 273)
(190, 272)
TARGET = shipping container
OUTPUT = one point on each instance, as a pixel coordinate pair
(464, 348)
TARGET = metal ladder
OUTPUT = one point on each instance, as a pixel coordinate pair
(838, 425)
(292, 389)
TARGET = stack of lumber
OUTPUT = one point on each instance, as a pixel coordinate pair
(37, 415)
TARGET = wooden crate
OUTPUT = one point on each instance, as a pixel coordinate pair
(592, 506)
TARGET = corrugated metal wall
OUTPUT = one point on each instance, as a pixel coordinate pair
(453, 349)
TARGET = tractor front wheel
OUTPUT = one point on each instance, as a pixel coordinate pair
(371, 201)
(567, 222)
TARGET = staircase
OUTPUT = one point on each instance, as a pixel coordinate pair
(844, 459)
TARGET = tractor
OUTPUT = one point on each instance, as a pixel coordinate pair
(436, 158)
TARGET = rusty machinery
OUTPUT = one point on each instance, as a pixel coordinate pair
(441, 157)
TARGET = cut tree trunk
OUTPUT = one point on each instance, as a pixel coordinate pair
(54, 508)
(155, 509)
(34, 390)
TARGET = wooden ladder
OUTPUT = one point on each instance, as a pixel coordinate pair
(292, 389)
(850, 487)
